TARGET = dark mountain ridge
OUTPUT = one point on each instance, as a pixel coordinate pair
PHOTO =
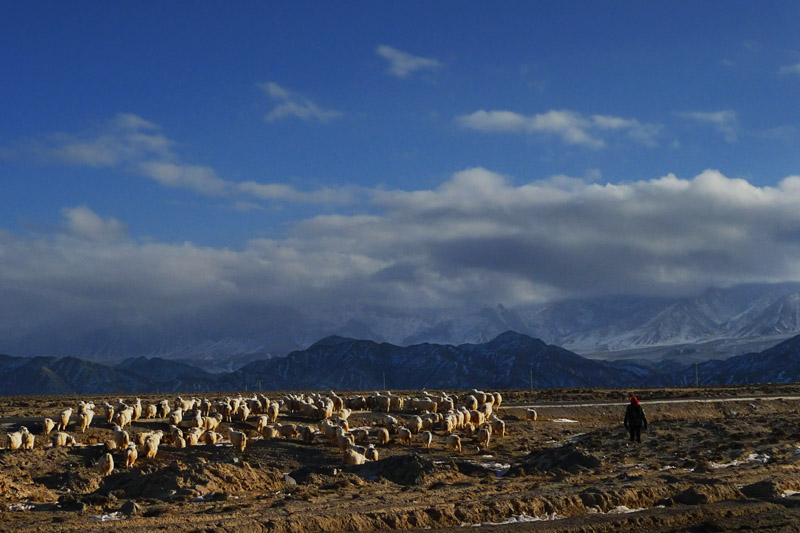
(509, 361)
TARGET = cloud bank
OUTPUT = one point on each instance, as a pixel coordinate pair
(570, 127)
(476, 239)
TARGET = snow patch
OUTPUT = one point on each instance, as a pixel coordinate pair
(752, 458)
(565, 421)
(116, 515)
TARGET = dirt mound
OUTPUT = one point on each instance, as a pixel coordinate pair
(408, 469)
(702, 494)
(179, 481)
(569, 458)
(763, 489)
(16, 485)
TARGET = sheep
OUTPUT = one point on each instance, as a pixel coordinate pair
(286, 430)
(344, 414)
(476, 417)
(486, 410)
(179, 442)
(422, 405)
(28, 438)
(352, 457)
(454, 442)
(163, 408)
(14, 440)
(498, 399)
(137, 410)
(205, 407)
(243, 413)
(360, 435)
(63, 419)
(175, 433)
(124, 417)
(357, 403)
(150, 411)
(109, 412)
(371, 453)
(130, 455)
(329, 430)
(110, 445)
(151, 447)
(106, 464)
(427, 438)
(238, 439)
(210, 438)
(470, 402)
(262, 422)
(193, 437)
(176, 417)
(121, 437)
(382, 436)
(307, 433)
(269, 432)
(498, 426)
(84, 419)
(212, 422)
(61, 439)
(484, 435)
(469, 430)
(414, 424)
(344, 440)
(403, 436)
(530, 414)
(272, 411)
(47, 426)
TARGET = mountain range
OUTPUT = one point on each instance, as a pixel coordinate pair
(714, 324)
(510, 360)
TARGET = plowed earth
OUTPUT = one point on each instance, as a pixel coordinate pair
(726, 460)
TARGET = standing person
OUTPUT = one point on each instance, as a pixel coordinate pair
(635, 420)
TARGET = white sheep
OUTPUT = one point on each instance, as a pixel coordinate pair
(151, 446)
(61, 439)
(414, 424)
(427, 438)
(307, 433)
(14, 440)
(106, 464)
(454, 442)
(163, 409)
(63, 419)
(484, 436)
(403, 436)
(352, 457)
(130, 455)
(382, 435)
(530, 414)
(121, 437)
(238, 439)
(498, 426)
(28, 438)
(371, 453)
(150, 411)
(176, 417)
(270, 432)
(47, 426)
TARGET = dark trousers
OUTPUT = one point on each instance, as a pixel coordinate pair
(636, 433)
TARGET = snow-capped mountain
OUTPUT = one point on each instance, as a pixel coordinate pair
(717, 323)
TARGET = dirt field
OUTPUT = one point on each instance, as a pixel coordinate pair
(704, 465)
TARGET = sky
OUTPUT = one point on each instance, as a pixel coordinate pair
(161, 157)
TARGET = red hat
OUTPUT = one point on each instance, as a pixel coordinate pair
(634, 401)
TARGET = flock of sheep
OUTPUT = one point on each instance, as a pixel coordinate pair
(196, 421)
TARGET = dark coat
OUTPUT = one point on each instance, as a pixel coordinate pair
(635, 417)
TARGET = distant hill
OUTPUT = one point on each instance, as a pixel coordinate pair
(510, 360)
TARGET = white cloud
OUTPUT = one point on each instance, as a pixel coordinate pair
(570, 126)
(84, 223)
(478, 238)
(129, 142)
(198, 178)
(283, 192)
(401, 64)
(291, 104)
(725, 122)
(790, 69)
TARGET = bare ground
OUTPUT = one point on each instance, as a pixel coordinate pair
(729, 465)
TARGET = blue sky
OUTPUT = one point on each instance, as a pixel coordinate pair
(315, 139)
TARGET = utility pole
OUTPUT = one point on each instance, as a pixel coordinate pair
(696, 376)
(384, 381)
(531, 378)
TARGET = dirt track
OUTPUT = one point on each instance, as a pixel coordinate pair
(703, 466)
